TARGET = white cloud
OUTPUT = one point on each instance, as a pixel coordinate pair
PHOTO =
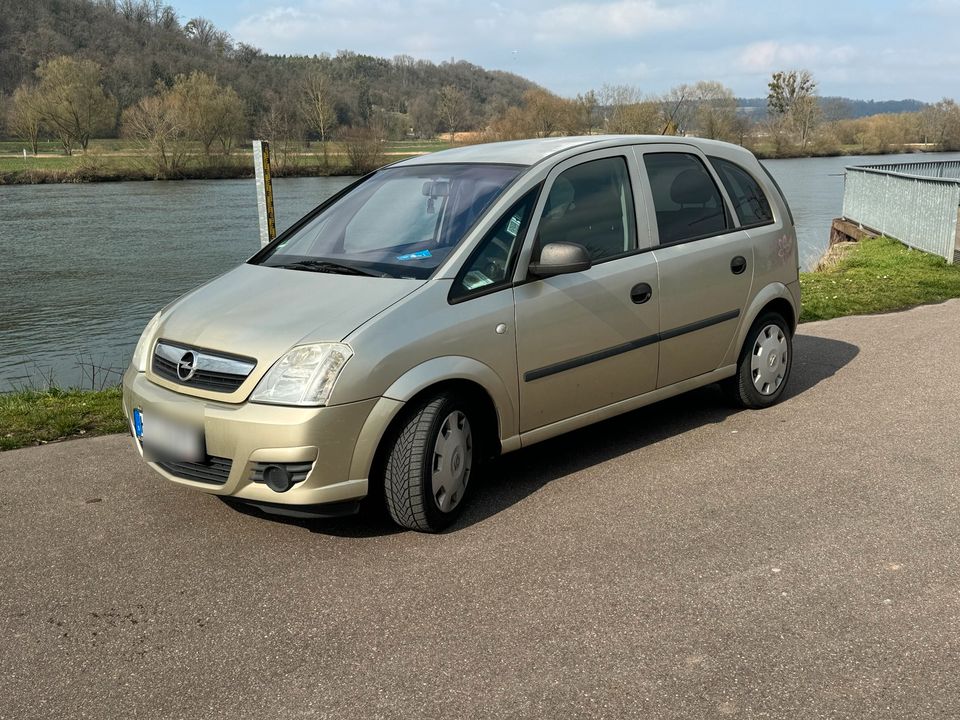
(581, 21)
(570, 46)
(768, 55)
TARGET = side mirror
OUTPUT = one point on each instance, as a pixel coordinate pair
(560, 258)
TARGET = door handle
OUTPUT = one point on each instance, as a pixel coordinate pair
(738, 265)
(640, 293)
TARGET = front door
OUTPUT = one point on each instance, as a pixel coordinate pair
(588, 339)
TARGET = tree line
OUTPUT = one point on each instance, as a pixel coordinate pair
(794, 122)
(142, 45)
(186, 92)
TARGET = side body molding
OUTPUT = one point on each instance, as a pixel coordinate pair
(419, 378)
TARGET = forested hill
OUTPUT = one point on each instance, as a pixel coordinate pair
(836, 108)
(142, 42)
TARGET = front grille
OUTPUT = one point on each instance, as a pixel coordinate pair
(212, 371)
(203, 379)
(298, 471)
(213, 470)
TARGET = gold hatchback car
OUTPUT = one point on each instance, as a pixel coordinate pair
(459, 305)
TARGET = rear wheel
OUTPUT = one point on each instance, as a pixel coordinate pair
(765, 362)
(429, 464)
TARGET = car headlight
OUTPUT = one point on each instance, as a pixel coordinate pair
(139, 359)
(304, 376)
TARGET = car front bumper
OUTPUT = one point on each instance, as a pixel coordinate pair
(244, 438)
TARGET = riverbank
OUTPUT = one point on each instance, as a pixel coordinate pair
(768, 152)
(874, 276)
(34, 417)
(119, 160)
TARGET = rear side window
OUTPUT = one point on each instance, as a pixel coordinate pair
(749, 202)
(687, 201)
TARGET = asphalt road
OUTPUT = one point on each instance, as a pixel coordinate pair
(683, 561)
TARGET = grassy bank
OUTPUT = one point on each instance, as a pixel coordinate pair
(876, 275)
(32, 417)
(114, 160)
(117, 159)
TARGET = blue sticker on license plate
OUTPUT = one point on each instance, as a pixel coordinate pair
(169, 439)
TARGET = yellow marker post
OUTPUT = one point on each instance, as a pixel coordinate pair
(261, 166)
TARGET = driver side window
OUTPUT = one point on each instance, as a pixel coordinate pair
(490, 267)
(592, 205)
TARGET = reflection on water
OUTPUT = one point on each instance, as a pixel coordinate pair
(83, 267)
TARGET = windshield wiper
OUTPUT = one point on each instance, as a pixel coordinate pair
(326, 266)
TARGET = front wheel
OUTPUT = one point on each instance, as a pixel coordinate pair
(429, 464)
(766, 359)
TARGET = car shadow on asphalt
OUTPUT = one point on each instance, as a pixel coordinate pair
(516, 476)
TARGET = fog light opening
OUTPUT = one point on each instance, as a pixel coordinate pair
(277, 478)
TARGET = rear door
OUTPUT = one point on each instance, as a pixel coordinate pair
(588, 339)
(705, 261)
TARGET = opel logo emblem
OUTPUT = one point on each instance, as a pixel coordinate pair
(187, 367)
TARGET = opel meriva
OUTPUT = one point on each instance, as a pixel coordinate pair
(456, 306)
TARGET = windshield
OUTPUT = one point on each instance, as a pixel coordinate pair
(402, 222)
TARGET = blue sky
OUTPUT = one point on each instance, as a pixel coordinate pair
(879, 49)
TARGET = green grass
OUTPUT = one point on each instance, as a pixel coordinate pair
(877, 275)
(124, 160)
(32, 417)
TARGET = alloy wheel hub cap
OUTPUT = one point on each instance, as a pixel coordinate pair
(768, 361)
(452, 458)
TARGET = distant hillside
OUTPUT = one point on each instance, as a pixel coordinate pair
(841, 108)
(141, 42)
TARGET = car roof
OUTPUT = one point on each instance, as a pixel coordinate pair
(530, 152)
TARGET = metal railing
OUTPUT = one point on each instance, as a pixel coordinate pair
(948, 169)
(916, 203)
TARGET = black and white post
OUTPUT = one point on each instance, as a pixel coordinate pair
(261, 165)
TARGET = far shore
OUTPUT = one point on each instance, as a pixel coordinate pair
(116, 161)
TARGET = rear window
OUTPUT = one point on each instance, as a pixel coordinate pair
(749, 202)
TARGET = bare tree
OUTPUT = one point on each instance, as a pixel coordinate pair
(423, 117)
(544, 113)
(73, 103)
(715, 110)
(282, 125)
(212, 113)
(156, 124)
(364, 150)
(452, 109)
(941, 124)
(623, 109)
(26, 116)
(679, 110)
(742, 127)
(318, 106)
(205, 33)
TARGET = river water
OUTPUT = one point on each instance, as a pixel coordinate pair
(83, 267)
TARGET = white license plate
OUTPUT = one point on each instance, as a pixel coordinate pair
(168, 439)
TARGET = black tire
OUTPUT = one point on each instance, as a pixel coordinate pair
(412, 460)
(750, 388)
